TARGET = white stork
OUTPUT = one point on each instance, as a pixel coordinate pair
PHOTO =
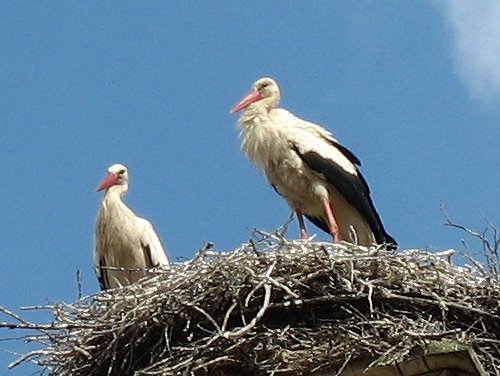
(308, 167)
(125, 244)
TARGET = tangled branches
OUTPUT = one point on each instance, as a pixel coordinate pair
(274, 306)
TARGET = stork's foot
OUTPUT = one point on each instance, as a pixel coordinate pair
(303, 234)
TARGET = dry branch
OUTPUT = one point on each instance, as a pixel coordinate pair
(273, 306)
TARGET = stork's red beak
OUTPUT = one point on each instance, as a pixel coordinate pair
(254, 96)
(108, 181)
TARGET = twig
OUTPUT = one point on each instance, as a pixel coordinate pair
(210, 318)
(304, 306)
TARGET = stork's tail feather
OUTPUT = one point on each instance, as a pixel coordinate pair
(383, 238)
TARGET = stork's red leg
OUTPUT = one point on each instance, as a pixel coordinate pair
(332, 223)
(303, 231)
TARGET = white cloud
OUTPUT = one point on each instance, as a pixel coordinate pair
(476, 28)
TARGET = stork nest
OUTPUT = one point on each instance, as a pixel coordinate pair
(275, 306)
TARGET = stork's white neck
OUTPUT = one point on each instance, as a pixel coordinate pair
(113, 199)
(117, 191)
(113, 205)
(263, 135)
(255, 114)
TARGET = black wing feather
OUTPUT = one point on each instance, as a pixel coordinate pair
(319, 222)
(102, 276)
(346, 152)
(354, 189)
(146, 248)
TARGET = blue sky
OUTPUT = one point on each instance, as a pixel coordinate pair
(412, 88)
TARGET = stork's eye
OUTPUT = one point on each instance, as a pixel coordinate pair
(121, 172)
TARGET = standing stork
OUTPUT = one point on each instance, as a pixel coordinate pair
(308, 167)
(125, 244)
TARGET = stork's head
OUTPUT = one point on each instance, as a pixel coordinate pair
(265, 91)
(117, 176)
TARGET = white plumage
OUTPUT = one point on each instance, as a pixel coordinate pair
(307, 166)
(125, 244)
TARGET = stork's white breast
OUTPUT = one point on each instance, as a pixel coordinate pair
(270, 141)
